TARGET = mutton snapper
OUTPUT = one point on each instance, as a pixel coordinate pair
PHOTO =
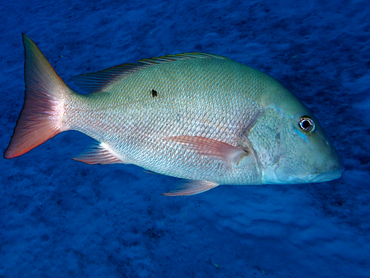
(196, 116)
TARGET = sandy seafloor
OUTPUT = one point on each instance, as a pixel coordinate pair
(62, 218)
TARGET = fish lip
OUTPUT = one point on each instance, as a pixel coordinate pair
(315, 177)
(328, 176)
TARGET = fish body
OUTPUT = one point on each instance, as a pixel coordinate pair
(200, 117)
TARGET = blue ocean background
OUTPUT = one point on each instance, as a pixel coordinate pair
(62, 218)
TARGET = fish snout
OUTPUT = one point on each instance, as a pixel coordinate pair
(335, 171)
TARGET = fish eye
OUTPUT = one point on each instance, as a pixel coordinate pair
(306, 124)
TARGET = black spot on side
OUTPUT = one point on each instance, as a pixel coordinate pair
(154, 93)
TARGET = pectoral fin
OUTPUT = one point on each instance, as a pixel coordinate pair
(191, 188)
(212, 148)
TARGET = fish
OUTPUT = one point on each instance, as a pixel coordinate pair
(200, 117)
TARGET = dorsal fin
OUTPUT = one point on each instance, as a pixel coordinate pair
(100, 80)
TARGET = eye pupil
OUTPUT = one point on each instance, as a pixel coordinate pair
(306, 124)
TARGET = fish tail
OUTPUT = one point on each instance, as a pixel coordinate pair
(42, 115)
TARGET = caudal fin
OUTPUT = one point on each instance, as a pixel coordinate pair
(41, 117)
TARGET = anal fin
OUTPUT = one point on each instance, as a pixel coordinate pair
(98, 154)
(191, 188)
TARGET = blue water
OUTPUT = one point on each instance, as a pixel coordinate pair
(62, 218)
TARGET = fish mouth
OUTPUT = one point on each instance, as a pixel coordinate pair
(320, 176)
(328, 176)
(315, 177)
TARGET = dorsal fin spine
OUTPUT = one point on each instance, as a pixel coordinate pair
(100, 80)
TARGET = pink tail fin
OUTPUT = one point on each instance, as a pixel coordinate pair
(43, 109)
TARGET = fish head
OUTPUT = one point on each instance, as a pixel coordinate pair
(290, 144)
